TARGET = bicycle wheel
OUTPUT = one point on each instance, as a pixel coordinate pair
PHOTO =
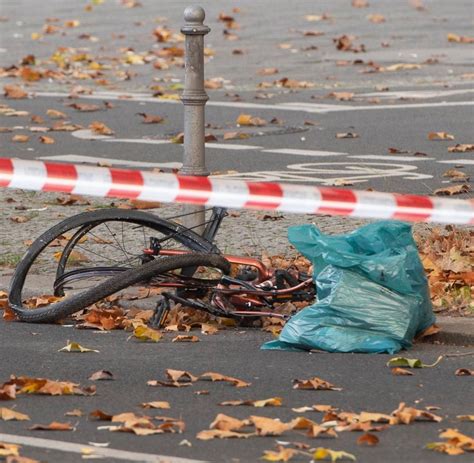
(73, 303)
(83, 250)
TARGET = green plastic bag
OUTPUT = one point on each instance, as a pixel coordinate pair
(373, 294)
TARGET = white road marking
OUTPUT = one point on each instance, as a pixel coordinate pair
(77, 158)
(299, 152)
(458, 161)
(296, 106)
(391, 157)
(79, 448)
(415, 94)
(330, 173)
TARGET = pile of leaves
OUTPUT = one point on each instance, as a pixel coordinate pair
(448, 258)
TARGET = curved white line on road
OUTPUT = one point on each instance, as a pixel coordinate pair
(295, 106)
(79, 448)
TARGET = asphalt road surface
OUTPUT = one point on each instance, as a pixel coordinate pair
(366, 382)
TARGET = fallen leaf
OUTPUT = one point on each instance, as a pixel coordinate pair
(100, 128)
(19, 218)
(235, 135)
(401, 372)
(407, 415)
(7, 414)
(248, 120)
(14, 92)
(185, 338)
(411, 363)
(284, 454)
(368, 439)
(53, 426)
(341, 96)
(347, 135)
(7, 450)
(267, 71)
(269, 426)
(456, 175)
(83, 107)
(20, 138)
(461, 148)
(314, 384)
(150, 118)
(219, 434)
(460, 38)
(360, 3)
(456, 444)
(159, 405)
(464, 372)
(54, 114)
(376, 18)
(401, 67)
(218, 377)
(27, 385)
(180, 375)
(465, 417)
(322, 453)
(100, 415)
(75, 412)
(273, 402)
(101, 375)
(46, 140)
(7, 392)
(227, 423)
(144, 333)
(453, 190)
(440, 136)
(76, 347)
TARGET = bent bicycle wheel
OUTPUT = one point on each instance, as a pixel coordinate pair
(89, 248)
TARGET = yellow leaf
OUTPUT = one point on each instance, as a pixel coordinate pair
(322, 453)
(6, 414)
(282, 455)
(76, 347)
(143, 333)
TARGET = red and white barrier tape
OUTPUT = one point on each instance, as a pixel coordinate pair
(210, 191)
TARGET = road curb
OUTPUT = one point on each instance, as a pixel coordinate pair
(455, 331)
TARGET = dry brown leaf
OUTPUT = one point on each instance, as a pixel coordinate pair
(341, 96)
(456, 444)
(464, 372)
(214, 83)
(100, 415)
(401, 67)
(83, 107)
(347, 135)
(185, 338)
(272, 402)
(282, 454)
(376, 18)
(219, 434)
(248, 120)
(27, 385)
(158, 405)
(453, 190)
(314, 384)
(269, 426)
(180, 375)
(7, 392)
(227, 423)
(7, 414)
(150, 118)
(407, 415)
(267, 71)
(74, 412)
(440, 136)
(100, 128)
(14, 92)
(401, 372)
(219, 377)
(365, 417)
(368, 439)
(53, 426)
(460, 38)
(360, 3)
(46, 140)
(461, 148)
(101, 375)
(54, 114)
(456, 175)
(19, 218)
(20, 138)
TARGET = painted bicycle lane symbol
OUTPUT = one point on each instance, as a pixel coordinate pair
(330, 173)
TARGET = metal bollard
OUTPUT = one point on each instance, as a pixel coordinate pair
(194, 98)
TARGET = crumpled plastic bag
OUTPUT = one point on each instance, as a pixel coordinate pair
(373, 295)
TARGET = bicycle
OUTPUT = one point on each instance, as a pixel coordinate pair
(158, 251)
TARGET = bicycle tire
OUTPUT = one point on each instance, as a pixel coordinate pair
(187, 238)
(62, 309)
